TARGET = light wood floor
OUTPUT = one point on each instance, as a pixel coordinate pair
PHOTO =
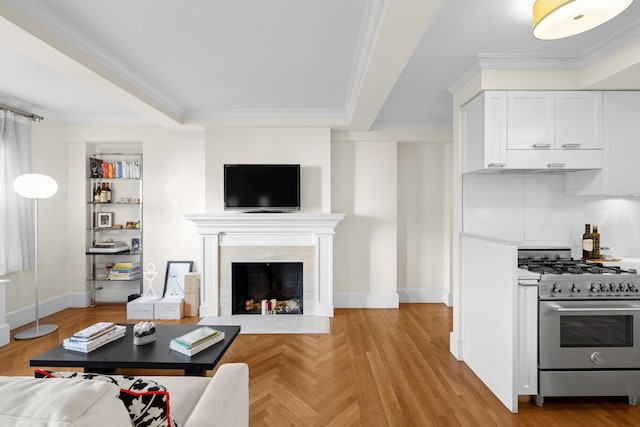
(376, 368)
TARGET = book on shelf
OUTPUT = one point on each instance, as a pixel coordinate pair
(112, 250)
(87, 346)
(195, 341)
(107, 247)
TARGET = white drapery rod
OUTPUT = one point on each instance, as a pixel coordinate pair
(31, 116)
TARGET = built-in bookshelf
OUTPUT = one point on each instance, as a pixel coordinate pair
(114, 226)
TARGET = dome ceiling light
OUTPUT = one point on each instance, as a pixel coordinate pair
(557, 19)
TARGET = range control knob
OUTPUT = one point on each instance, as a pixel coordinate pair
(556, 289)
(574, 288)
(597, 358)
(595, 287)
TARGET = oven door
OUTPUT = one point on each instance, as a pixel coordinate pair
(589, 334)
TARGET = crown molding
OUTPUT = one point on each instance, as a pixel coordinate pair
(53, 23)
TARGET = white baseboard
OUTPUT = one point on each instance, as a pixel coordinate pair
(362, 300)
(27, 314)
(423, 296)
(456, 345)
(4, 334)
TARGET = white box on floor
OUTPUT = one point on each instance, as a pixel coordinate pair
(141, 308)
(169, 308)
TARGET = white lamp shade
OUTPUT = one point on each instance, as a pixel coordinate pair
(35, 186)
(556, 19)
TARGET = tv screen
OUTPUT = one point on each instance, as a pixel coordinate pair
(262, 188)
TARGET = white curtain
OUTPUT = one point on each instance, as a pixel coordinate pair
(17, 239)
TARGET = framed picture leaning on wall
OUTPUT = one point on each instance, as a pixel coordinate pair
(174, 278)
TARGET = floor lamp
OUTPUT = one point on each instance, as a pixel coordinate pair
(35, 186)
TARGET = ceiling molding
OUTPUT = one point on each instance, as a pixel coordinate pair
(621, 38)
(26, 35)
(406, 19)
(54, 24)
(363, 48)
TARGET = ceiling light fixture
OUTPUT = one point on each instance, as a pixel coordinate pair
(557, 19)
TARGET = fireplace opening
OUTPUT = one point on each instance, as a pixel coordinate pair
(253, 282)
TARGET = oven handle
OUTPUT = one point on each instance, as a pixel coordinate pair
(561, 309)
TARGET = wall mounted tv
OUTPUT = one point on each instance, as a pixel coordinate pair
(262, 188)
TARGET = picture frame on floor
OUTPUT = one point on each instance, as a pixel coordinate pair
(174, 277)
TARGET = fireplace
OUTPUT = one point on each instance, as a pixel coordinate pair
(253, 282)
(267, 237)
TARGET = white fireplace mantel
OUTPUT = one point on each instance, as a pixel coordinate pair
(267, 229)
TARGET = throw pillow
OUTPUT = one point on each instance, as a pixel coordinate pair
(146, 400)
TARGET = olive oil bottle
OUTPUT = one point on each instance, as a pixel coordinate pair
(587, 243)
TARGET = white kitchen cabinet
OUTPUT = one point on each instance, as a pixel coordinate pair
(621, 149)
(484, 132)
(554, 120)
(531, 120)
(532, 130)
(526, 381)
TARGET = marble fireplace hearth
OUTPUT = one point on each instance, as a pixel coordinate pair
(267, 237)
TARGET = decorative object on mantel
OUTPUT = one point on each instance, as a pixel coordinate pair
(35, 186)
(144, 333)
(557, 19)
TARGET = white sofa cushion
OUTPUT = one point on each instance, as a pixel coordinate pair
(146, 400)
(61, 403)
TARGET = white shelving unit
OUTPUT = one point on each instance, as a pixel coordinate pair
(116, 220)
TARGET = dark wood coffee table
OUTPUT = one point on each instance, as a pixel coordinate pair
(157, 355)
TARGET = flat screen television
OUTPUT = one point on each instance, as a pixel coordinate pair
(262, 188)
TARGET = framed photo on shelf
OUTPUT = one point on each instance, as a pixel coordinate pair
(174, 278)
(104, 220)
(135, 244)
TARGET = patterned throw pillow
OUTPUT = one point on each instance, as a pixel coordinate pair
(146, 400)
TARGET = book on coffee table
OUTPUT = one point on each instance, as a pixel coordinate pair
(86, 346)
(195, 341)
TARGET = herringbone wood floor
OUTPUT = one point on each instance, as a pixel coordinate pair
(376, 368)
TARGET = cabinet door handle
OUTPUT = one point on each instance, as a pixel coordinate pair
(541, 146)
(571, 146)
(556, 165)
(497, 165)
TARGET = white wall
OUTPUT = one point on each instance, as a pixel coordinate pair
(423, 222)
(183, 174)
(173, 185)
(364, 186)
(534, 209)
(49, 156)
(311, 148)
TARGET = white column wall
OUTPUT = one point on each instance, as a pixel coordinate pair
(364, 186)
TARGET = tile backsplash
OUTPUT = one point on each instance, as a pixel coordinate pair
(533, 208)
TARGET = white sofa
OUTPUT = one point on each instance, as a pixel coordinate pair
(222, 400)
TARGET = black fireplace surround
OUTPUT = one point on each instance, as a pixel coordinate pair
(252, 282)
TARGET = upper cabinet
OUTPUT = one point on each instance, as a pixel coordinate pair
(484, 132)
(558, 120)
(553, 130)
(621, 130)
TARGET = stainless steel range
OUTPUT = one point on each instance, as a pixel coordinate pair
(589, 326)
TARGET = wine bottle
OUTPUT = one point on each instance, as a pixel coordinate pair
(103, 193)
(96, 193)
(108, 193)
(595, 235)
(587, 243)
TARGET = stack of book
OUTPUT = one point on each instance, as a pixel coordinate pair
(109, 247)
(197, 340)
(93, 337)
(125, 271)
